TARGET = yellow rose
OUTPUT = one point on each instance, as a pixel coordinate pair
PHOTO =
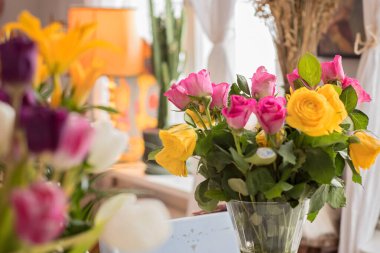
(261, 139)
(179, 144)
(364, 154)
(317, 112)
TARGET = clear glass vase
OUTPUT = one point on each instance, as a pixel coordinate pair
(268, 227)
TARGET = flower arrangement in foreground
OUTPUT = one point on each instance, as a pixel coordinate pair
(49, 151)
(297, 150)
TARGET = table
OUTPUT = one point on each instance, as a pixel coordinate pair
(211, 233)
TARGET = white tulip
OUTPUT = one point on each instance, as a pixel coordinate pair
(134, 226)
(107, 146)
(7, 116)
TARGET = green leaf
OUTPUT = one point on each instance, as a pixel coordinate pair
(325, 140)
(216, 194)
(349, 98)
(218, 159)
(204, 202)
(152, 155)
(297, 191)
(287, 153)
(336, 197)
(243, 84)
(356, 177)
(189, 120)
(235, 90)
(310, 69)
(240, 163)
(319, 165)
(103, 108)
(259, 180)
(339, 165)
(238, 185)
(204, 145)
(317, 201)
(277, 189)
(337, 89)
(359, 118)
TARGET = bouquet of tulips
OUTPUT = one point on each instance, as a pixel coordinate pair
(49, 151)
(295, 148)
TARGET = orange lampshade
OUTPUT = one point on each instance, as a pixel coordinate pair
(117, 26)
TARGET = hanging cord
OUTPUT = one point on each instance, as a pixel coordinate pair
(361, 46)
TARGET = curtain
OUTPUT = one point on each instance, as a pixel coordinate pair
(216, 18)
(360, 216)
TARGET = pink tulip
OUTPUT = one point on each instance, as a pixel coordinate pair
(271, 113)
(197, 84)
(220, 95)
(74, 142)
(178, 96)
(239, 112)
(333, 70)
(263, 83)
(292, 77)
(363, 96)
(40, 212)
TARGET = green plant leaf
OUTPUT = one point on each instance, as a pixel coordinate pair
(259, 180)
(287, 153)
(339, 165)
(235, 90)
(297, 191)
(310, 69)
(317, 201)
(189, 120)
(319, 165)
(277, 189)
(325, 140)
(243, 84)
(240, 163)
(216, 194)
(336, 197)
(203, 201)
(356, 177)
(218, 159)
(152, 155)
(349, 98)
(238, 185)
(360, 119)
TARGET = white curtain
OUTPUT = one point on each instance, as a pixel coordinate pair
(360, 216)
(216, 18)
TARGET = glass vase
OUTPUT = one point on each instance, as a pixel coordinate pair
(268, 227)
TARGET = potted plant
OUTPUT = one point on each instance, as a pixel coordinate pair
(284, 169)
(167, 36)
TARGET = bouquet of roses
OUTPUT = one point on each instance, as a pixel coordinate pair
(49, 151)
(297, 149)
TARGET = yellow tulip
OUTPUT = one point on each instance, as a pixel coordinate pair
(364, 154)
(316, 113)
(261, 139)
(179, 144)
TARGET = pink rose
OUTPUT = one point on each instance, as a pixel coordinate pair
(271, 113)
(363, 96)
(40, 212)
(333, 70)
(177, 95)
(292, 77)
(263, 83)
(197, 84)
(239, 112)
(74, 142)
(220, 95)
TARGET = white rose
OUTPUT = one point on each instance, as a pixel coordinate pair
(7, 116)
(107, 146)
(134, 226)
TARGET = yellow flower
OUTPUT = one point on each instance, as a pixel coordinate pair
(83, 80)
(261, 139)
(197, 120)
(41, 73)
(179, 144)
(364, 154)
(317, 112)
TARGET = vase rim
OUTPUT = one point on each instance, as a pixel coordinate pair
(265, 202)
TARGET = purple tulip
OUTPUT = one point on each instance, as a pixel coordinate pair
(18, 61)
(40, 212)
(43, 127)
(4, 97)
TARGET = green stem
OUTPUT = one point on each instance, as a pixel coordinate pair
(237, 143)
(209, 116)
(199, 117)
